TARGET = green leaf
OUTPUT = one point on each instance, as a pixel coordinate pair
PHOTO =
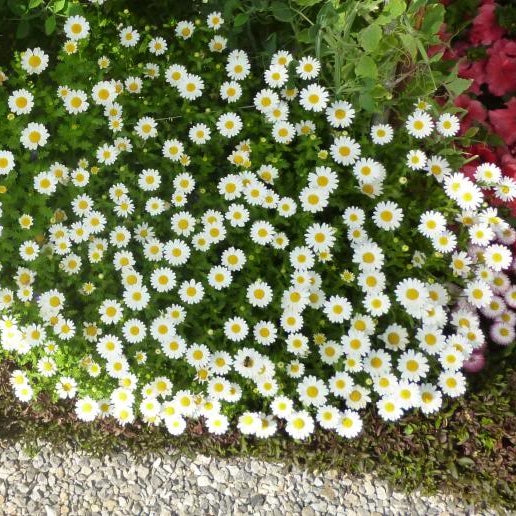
(34, 3)
(466, 462)
(367, 102)
(391, 11)
(240, 19)
(366, 67)
(433, 19)
(59, 5)
(458, 86)
(307, 3)
(73, 9)
(50, 25)
(282, 12)
(471, 132)
(409, 43)
(23, 29)
(15, 7)
(370, 37)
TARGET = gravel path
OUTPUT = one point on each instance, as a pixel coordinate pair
(74, 483)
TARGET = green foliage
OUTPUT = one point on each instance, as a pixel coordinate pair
(506, 17)
(372, 51)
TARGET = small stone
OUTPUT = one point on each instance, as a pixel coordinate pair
(328, 492)
(381, 493)
(307, 511)
(203, 481)
(257, 500)
(85, 470)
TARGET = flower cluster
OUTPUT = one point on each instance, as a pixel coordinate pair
(486, 54)
(185, 261)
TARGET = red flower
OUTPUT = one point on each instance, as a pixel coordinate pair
(476, 112)
(475, 70)
(501, 67)
(485, 30)
(485, 153)
(508, 164)
(504, 122)
(445, 38)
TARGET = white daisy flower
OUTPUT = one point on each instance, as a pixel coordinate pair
(237, 66)
(506, 189)
(412, 295)
(214, 20)
(129, 37)
(229, 124)
(349, 425)
(230, 91)
(340, 114)
(104, 93)
(419, 124)
(21, 102)
(314, 98)
(389, 408)
(478, 293)
(308, 68)
(312, 391)
(265, 333)
(387, 215)
(163, 279)
(299, 424)
(191, 292)
(345, 150)
(283, 132)
(448, 124)
(259, 294)
(438, 167)
(199, 133)
(184, 29)
(276, 76)
(34, 135)
(381, 134)
(190, 86)
(413, 365)
(6, 162)
(66, 387)
(157, 46)
(416, 159)
(86, 409)
(145, 128)
(452, 383)
(313, 200)
(34, 61)
(236, 329)
(432, 223)
(497, 257)
(430, 398)
(338, 309)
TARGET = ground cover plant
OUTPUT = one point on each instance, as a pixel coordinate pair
(198, 241)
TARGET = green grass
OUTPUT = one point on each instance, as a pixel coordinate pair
(468, 449)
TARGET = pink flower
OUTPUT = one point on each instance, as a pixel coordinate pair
(501, 67)
(485, 30)
(473, 70)
(508, 163)
(476, 112)
(504, 122)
